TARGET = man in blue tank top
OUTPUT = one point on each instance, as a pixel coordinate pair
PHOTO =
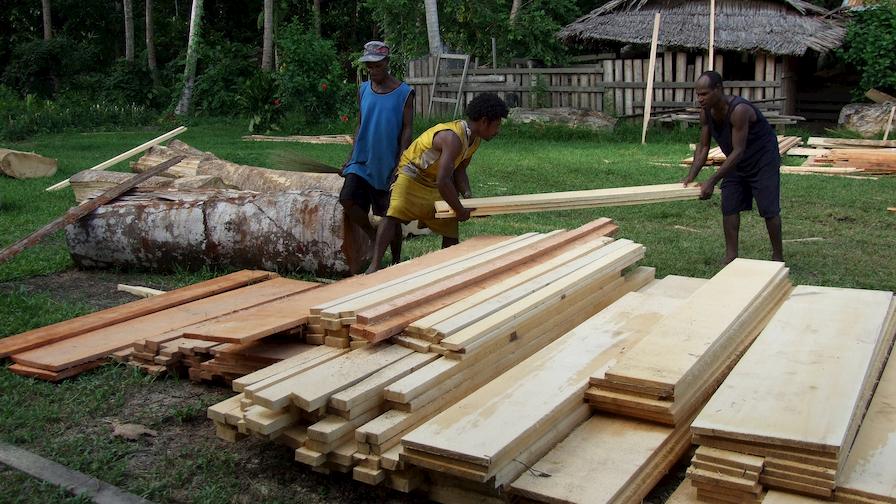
(752, 167)
(385, 120)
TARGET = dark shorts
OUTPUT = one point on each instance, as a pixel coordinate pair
(764, 185)
(359, 191)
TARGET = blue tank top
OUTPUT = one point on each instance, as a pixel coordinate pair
(375, 154)
(762, 143)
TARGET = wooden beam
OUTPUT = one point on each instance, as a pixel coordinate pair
(889, 123)
(74, 214)
(712, 33)
(648, 94)
(121, 157)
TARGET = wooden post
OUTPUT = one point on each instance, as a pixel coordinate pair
(889, 122)
(494, 54)
(648, 95)
(85, 208)
(712, 34)
(121, 157)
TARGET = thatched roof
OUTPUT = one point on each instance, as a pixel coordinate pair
(774, 26)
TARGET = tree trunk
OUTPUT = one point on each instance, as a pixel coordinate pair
(151, 45)
(48, 25)
(317, 15)
(268, 37)
(186, 96)
(286, 231)
(432, 26)
(514, 10)
(128, 30)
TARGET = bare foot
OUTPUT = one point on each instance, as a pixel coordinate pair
(728, 260)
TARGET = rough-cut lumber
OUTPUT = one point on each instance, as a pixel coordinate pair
(293, 311)
(124, 155)
(879, 96)
(101, 342)
(491, 426)
(786, 144)
(669, 365)
(89, 184)
(817, 333)
(573, 199)
(478, 273)
(97, 320)
(373, 386)
(24, 165)
(139, 290)
(76, 213)
(313, 139)
(54, 376)
(849, 142)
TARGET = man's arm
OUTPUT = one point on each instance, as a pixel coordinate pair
(461, 181)
(407, 126)
(448, 143)
(740, 126)
(702, 150)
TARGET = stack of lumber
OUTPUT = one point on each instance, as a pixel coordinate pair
(568, 200)
(24, 165)
(493, 434)
(780, 403)
(716, 157)
(869, 475)
(848, 157)
(385, 310)
(669, 374)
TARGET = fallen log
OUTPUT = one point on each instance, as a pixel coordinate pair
(166, 229)
(24, 165)
(88, 184)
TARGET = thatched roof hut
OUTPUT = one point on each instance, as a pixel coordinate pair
(780, 27)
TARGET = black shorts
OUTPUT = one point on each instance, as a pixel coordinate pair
(359, 191)
(764, 185)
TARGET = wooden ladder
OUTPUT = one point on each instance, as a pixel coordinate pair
(460, 88)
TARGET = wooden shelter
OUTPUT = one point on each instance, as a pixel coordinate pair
(761, 40)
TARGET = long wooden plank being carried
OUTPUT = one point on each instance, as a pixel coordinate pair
(98, 343)
(97, 320)
(572, 199)
(493, 425)
(781, 392)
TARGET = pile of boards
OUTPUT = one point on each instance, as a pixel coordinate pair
(716, 157)
(846, 157)
(787, 415)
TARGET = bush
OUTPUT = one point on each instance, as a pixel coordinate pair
(260, 100)
(44, 68)
(224, 68)
(870, 39)
(312, 81)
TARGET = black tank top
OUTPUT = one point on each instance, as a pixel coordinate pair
(762, 143)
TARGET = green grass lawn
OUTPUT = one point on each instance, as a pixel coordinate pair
(69, 422)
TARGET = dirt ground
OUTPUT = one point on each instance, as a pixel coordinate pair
(266, 471)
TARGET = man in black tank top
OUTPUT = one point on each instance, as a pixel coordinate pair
(752, 167)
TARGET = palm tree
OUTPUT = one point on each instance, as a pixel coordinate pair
(268, 37)
(48, 25)
(151, 45)
(316, 8)
(514, 10)
(183, 105)
(432, 26)
(128, 30)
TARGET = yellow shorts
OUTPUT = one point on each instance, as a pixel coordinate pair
(411, 200)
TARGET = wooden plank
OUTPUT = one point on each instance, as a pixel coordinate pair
(729, 458)
(879, 96)
(101, 342)
(572, 199)
(848, 330)
(475, 273)
(869, 467)
(86, 207)
(121, 157)
(848, 142)
(97, 320)
(628, 94)
(373, 386)
(54, 376)
(681, 66)
(318, 354)
(479, 431)
(716, 307)
(648, 95)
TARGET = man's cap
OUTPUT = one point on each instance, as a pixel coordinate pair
(374, 51)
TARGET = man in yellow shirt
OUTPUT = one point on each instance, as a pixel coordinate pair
(434, 168)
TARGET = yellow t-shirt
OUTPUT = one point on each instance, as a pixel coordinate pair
(421, 162)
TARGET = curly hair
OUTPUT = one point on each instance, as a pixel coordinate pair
(487, 105)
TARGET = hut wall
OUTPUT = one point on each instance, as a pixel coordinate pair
(612, 85)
